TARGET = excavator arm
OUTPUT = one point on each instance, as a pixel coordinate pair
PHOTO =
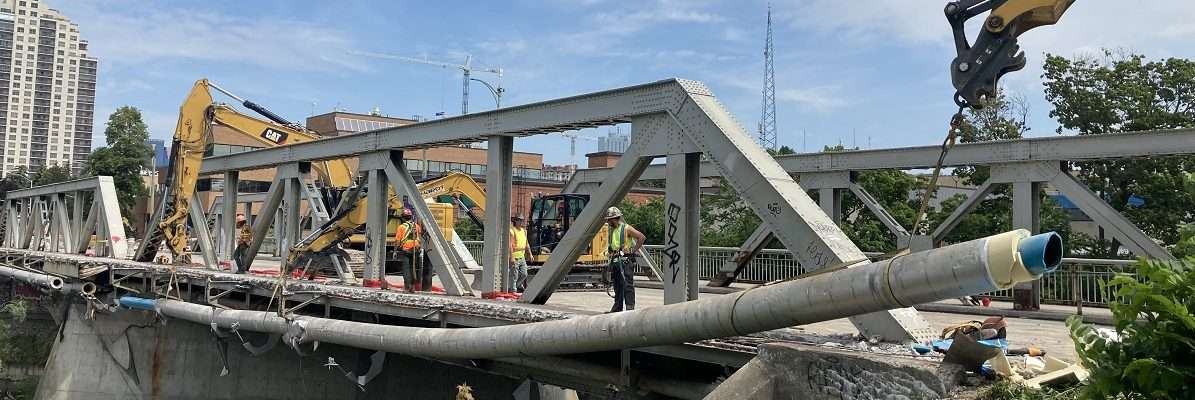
(193, 133)
(977, 68)
(350, 219)
(457, 184)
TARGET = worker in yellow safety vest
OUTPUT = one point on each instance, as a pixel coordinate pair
(625, 242)
(407, 245)
(243, 239)
(519, 250)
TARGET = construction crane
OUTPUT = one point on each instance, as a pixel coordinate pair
(572, 143)
(466, 69)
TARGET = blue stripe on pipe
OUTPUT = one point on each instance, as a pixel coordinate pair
(138, 303)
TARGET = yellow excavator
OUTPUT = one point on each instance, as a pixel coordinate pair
(550, 217)
(192, 135)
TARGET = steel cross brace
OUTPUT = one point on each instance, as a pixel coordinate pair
(703, 123)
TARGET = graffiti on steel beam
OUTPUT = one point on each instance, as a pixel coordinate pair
(671, 249)
(774, 208)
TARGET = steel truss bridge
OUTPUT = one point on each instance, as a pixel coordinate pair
(679, 121)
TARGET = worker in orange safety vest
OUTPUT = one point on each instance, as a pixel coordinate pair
(407, 242)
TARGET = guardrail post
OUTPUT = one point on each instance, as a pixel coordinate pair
(1076, 289)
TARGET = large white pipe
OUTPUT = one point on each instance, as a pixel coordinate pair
(33, 278)
(992, 263)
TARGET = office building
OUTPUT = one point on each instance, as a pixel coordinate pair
(615, 142)
(47, 88)
(161, 155)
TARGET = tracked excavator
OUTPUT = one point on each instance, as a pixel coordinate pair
(550, 218)
(197, 115)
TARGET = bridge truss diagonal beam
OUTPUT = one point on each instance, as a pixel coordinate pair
(700, 122)
(1105, 216)
(443, 255)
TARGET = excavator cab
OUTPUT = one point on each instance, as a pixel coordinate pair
(551, 216)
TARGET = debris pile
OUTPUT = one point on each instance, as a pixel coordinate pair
(982, 349)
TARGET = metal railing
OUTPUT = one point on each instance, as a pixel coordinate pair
(1076, 282)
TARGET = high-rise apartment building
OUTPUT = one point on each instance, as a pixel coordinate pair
(47, 88)
(615, 141)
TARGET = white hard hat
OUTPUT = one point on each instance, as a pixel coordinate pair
(613, 212)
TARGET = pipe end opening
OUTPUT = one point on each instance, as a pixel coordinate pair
(1041, 253)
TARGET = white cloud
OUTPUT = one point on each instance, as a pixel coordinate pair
(875, 20)
(143, 33)
(820, 98)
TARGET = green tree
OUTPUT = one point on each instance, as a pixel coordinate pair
(725, 219)
(468, 230)
(17, 179)
(51, 174)
(124, 156)
(893, 190)
(1125, 93)
(647, 217)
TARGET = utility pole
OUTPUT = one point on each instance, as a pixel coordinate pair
(767, 121)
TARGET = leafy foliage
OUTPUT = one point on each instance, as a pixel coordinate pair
(1008, 390)
(17, 179)
(1154, 356)
(51, 174)
(892, 188)
(725, 219)
(21, 349)
(468, 230)
(647, 217)
(1186, 242)
(1122, 93)
(125, 155)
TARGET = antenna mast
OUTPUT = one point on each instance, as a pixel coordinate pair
(767, 121)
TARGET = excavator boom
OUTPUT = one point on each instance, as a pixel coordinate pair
(192, 135)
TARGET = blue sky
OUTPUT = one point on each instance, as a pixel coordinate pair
(866, 73)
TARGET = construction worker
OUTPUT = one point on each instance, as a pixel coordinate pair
(519, 250)
(625, 242)
(407, 245)
(243, 239)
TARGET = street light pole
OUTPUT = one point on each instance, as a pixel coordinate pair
(496, 92)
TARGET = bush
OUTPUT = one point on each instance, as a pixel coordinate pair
(1154, 355)
(1008, 390)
